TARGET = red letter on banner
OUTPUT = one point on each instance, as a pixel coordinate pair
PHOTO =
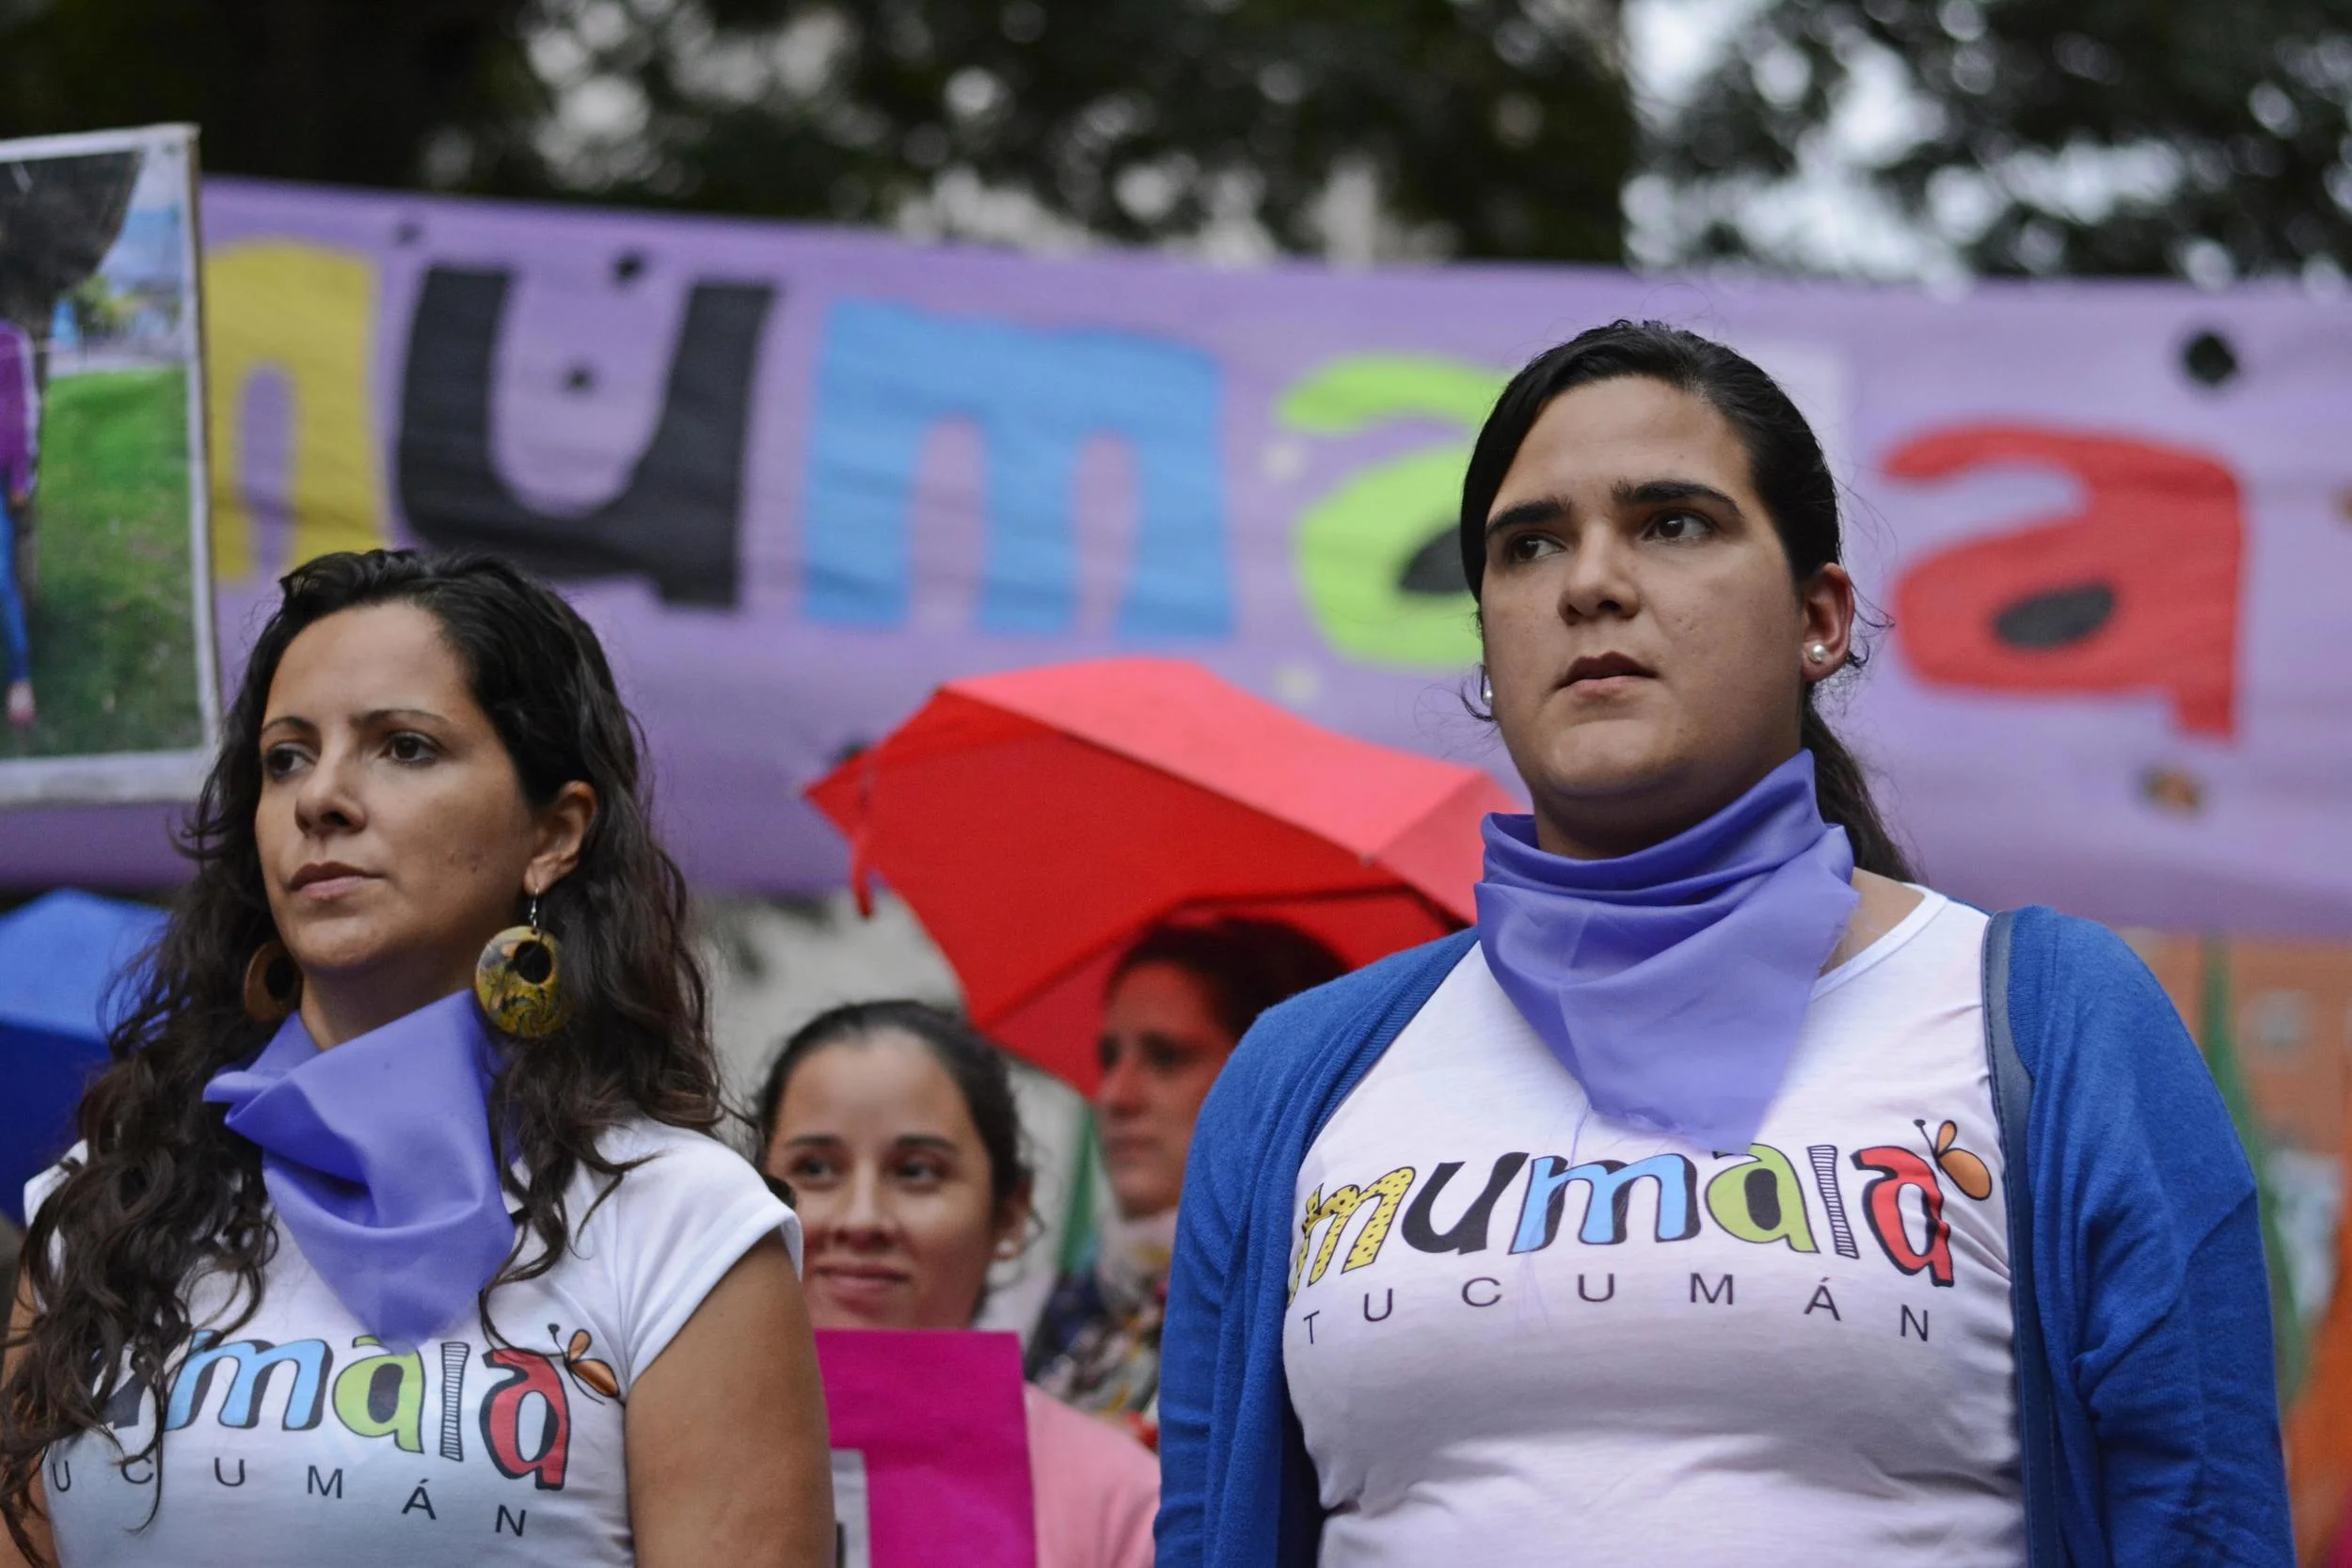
(2138, 591)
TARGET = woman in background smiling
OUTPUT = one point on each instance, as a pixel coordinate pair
(895, 1126)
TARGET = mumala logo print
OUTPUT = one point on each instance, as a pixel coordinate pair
(334, 1409)
(1893, 1193)
(285, 1434)
(1517, 1323)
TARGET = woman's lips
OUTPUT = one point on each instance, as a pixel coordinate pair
(1124, 1149)
(327, 889)
(1606, 686)
(856, 1294)
(860, 1280)
(1601, 666)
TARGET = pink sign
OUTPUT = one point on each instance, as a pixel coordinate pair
(931, 1448)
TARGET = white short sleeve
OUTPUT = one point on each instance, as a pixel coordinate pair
(673, 1228)
(37, 1190)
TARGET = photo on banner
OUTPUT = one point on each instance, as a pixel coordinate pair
(106, 649)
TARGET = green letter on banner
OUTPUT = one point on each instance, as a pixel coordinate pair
(1356, 544)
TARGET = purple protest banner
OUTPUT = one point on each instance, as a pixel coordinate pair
(797, 477)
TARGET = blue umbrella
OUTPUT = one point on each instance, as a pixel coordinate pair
(60, 956)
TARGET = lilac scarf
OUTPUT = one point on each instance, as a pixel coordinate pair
(1673, 981)
(377, 1157)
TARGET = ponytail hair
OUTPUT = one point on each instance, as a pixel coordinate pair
(1785, 463)
(1844, 794)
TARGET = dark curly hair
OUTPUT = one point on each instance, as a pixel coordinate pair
(167, 1192)
(1785, 463)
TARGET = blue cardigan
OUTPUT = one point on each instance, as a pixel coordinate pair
(2149, 1293)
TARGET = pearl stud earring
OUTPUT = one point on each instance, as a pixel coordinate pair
(1819, 653)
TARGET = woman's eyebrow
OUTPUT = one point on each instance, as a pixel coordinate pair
(1651, 492)
(1160, 1040)
(926, 1140)
(1543, 509)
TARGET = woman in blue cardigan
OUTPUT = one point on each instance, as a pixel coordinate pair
(1725, 1196)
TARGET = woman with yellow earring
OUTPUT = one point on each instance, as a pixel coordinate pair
(397, 1231)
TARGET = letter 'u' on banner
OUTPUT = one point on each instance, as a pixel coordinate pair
(307, 314)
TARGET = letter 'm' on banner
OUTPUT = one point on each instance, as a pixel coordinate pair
(888, 374)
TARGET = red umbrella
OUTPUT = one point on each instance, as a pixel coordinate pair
(1040, 821)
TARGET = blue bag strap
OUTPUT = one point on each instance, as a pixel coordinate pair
(2012, 1107)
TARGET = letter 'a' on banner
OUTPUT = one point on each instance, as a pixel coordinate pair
(931, 1459)
(2139, 590)
(105, 589)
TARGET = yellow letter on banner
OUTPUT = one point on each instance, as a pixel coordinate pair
(308, 313)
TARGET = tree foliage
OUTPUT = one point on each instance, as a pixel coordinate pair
(2128, 136)
(354, 91)
(1494, 128)
(1476, 127)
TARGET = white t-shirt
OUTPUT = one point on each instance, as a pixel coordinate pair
(301, 1442)
(1522, 1335)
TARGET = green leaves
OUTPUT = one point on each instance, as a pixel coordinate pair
(2038, 137)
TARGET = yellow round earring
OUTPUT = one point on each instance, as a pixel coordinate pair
(518, 980)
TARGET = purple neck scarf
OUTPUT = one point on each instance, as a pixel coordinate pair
(377, 1158)
(1673, 981)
